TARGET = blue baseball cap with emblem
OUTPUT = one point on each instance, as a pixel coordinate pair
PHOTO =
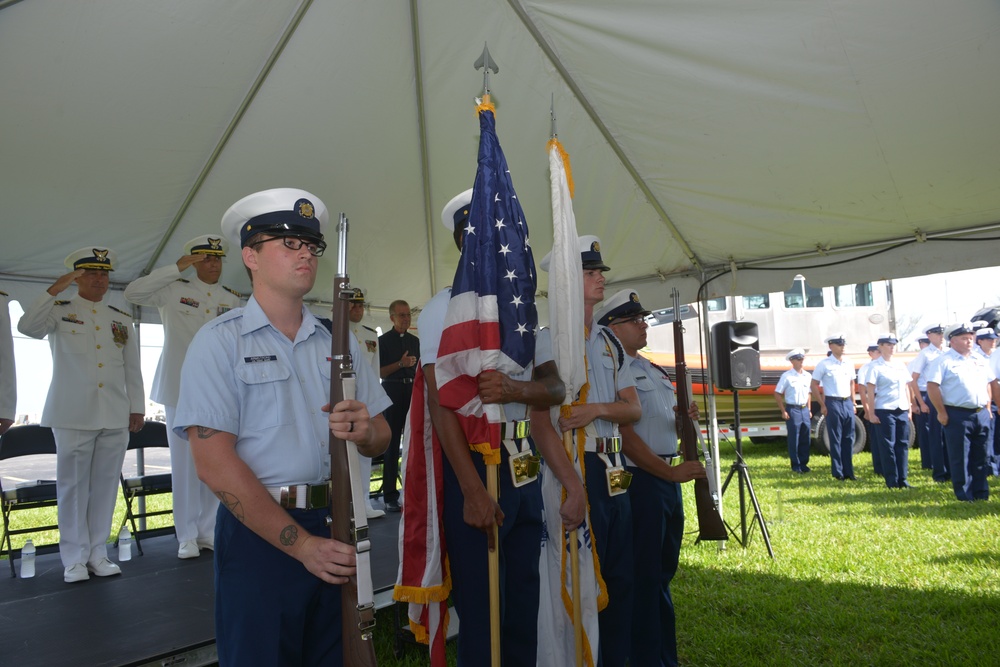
(277, 212)
(100, 259)
(624, 305)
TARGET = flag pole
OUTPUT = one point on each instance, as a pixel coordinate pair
(574, 547)
(492, 470)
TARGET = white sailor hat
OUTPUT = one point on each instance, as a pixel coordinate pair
(985, 333)
(206, 245)
(622, 306)
(92, 258)
(962, 328)
(456, 212)
(837, 339)
(357, 295)
(590, 254)
(873, 347)
(936, 328)
(278, 212)
(887, 338)
(923, 339)
(797, 353)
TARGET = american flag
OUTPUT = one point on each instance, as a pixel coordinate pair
(491, 318)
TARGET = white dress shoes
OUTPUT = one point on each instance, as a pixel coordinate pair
(75, 572)
(373, 513)
(206, 543)
(104, 568)
(189, 549)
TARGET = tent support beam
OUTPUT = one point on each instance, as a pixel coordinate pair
(425, 175)
(290, 29)
(605, 132)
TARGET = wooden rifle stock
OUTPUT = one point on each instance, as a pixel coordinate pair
(710, 525)
(357, 623)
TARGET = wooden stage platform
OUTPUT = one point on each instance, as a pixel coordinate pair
(159, 608)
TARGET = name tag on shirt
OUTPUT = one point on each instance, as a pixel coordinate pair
(260, 359)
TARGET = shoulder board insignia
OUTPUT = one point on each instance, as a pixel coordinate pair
(119, 310)
(232, 291)
(183, 280)
(369, 328)
(61, 303)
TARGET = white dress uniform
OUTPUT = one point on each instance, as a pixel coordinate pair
(8, 378)
(185, 305)
(96, 385)
(368, 342)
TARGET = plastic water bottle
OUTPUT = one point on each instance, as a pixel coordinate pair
(124, 544)
(28, 560)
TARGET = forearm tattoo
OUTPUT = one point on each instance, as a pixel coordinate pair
(289, 535)
(231, 503)
(204, 433)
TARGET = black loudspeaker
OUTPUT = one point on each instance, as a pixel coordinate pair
(736, 358)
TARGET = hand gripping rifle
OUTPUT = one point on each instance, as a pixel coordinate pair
(710, 525)
(348, 520)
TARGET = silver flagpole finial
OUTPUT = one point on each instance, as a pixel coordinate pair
(486, 63)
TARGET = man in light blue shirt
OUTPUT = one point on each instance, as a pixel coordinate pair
(889, 396)
(253, 403)
(792, 393)
(836, 376)
(925, 417)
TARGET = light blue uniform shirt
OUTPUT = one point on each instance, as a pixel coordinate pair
(658, 426)
(243, 376)
(835, 376)
(921, 362)
(430, 324)
(795, 387)
(964, 381)
(890, 379)
(603, 357)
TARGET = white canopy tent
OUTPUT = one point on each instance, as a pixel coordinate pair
(705, 136)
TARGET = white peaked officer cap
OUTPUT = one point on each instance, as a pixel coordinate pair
(279, 212)
(590, 254)
(962, 328)
(92, 258)
(797, 352)
(622, 306)
(456, 212)
(835, 338)
(887, 337)
(985, 332)
(935, 327)
(207, 244)
(357, 295)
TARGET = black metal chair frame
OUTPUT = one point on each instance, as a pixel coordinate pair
(153, 434)
(26, 440)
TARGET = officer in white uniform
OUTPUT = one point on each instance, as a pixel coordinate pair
(961, 385)
(95, 399)
(793, 395)
(254, 389)
(836, 375)
(985, 346)
(650, 447)
(8, 378)
(185, 304)
(871, 428)
(889, 395)
(368, 340)
(928, 427)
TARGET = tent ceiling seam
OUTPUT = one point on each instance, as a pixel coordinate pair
(605, 132)
(290, 29)
(422, 140)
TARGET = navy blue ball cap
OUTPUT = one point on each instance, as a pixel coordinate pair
(278, 212)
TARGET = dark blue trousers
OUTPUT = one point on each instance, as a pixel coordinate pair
(270, 610)
(921, 422)
(519, 547)
(840, 427)
(935, 439)
(993, 447)
(965, 436)
(894, 429)
(874, 444)
(798, 437)
(657, 531)
(611, 525)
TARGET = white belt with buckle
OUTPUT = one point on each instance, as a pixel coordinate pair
(523, 463)
(301, 496)
(611, 445)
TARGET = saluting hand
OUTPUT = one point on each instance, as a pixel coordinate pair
(189, 260)
(64, 281)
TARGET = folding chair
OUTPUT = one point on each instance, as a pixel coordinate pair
(153, 434)
(20, 441)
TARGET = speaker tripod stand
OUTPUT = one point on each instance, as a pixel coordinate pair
(740, 469)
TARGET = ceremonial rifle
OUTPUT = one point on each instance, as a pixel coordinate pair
(710, 525)
(348, 520)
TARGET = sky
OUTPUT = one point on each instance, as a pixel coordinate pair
(945, 297)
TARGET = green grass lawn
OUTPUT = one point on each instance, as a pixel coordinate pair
(862, 575)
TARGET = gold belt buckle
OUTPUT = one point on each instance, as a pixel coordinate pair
(619, 480)
(524, 468)
(611, 445)
(317, 496)
(515, 430)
